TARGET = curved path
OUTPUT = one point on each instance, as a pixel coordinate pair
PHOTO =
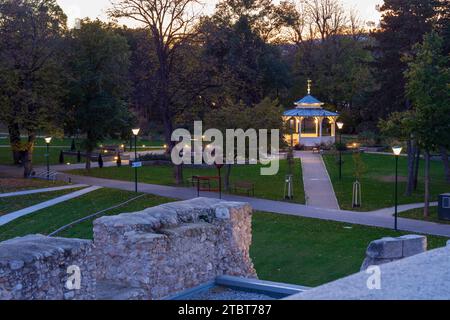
(379, 218)
(362, 218)
(26, 211)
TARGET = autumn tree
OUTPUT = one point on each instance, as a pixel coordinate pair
(428, 78)
(99, 63)
(170, 24)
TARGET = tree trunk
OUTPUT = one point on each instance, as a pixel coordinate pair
(416, 169)
(15, 142)
(411, 159)
(178, 174)
(227, 183)
(27, 158)
(444, 156)
(426, 208)
(88, 159)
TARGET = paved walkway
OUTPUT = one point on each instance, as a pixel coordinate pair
(362, 218)
(20, 213)
(319, 191)
(42, 190)
(375, 219)
(401, 208)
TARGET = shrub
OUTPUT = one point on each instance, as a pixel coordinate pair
(155, 157)
(340, 146)
(369, 138)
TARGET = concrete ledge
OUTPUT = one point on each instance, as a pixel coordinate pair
(262, 286)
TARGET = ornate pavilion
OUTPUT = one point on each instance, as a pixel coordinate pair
(312, 125)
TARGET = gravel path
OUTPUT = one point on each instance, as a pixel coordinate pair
(222, 293)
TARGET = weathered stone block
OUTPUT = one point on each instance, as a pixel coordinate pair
(390, 249)
(385, 248)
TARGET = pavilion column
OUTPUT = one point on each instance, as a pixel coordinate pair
(320, 126)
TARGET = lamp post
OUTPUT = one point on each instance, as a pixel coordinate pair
(47, 141)
(396, 151)
(340, 125)
(135, 133)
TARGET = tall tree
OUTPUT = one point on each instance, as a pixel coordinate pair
(99, 83)
(30, 71)
(428, 78)
(403, 24)
(170, 23)
(328, 18)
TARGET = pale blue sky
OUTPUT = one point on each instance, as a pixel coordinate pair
(97, 8)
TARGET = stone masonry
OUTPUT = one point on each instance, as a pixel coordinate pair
(389, 249)
(35, 267)
(143, 255)
(172, 247)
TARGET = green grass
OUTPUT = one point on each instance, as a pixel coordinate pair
(19, 184)
(417, 214)
(311, 252)
(267, 187)
(377, 184)
(11, 204)
(40, 150)
(285, 248)
(50, 219)
(39, 156)
(68, 142)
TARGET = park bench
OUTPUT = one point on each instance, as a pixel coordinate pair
(203, 183)
(193, 181)
(245, 186)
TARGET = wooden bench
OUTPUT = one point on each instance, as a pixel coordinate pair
(193, 181)
(246, 186)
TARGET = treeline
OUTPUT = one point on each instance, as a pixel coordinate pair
(254, 56)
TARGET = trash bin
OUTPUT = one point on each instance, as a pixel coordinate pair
(444, 206)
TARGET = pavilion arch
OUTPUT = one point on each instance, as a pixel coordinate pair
(309, 125)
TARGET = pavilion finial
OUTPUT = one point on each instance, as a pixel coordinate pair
(309, 86)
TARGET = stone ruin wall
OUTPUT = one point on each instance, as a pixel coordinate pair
(159, 251)
(176, 246)
(35, 267)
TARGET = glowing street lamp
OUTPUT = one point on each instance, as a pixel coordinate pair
(135, 133)
(397, 151)
(340, 125)
(48, 140)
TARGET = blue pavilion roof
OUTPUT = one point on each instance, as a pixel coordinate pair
(309, 112)
(309, 99)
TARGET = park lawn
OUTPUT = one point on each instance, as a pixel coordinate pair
(11, 204)
(377, 183)
(67, 142)
(39, 156)
(266, 187)
(8, 184)
(417, 214)
(50, 219)
(285, 248)
(312, 252)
